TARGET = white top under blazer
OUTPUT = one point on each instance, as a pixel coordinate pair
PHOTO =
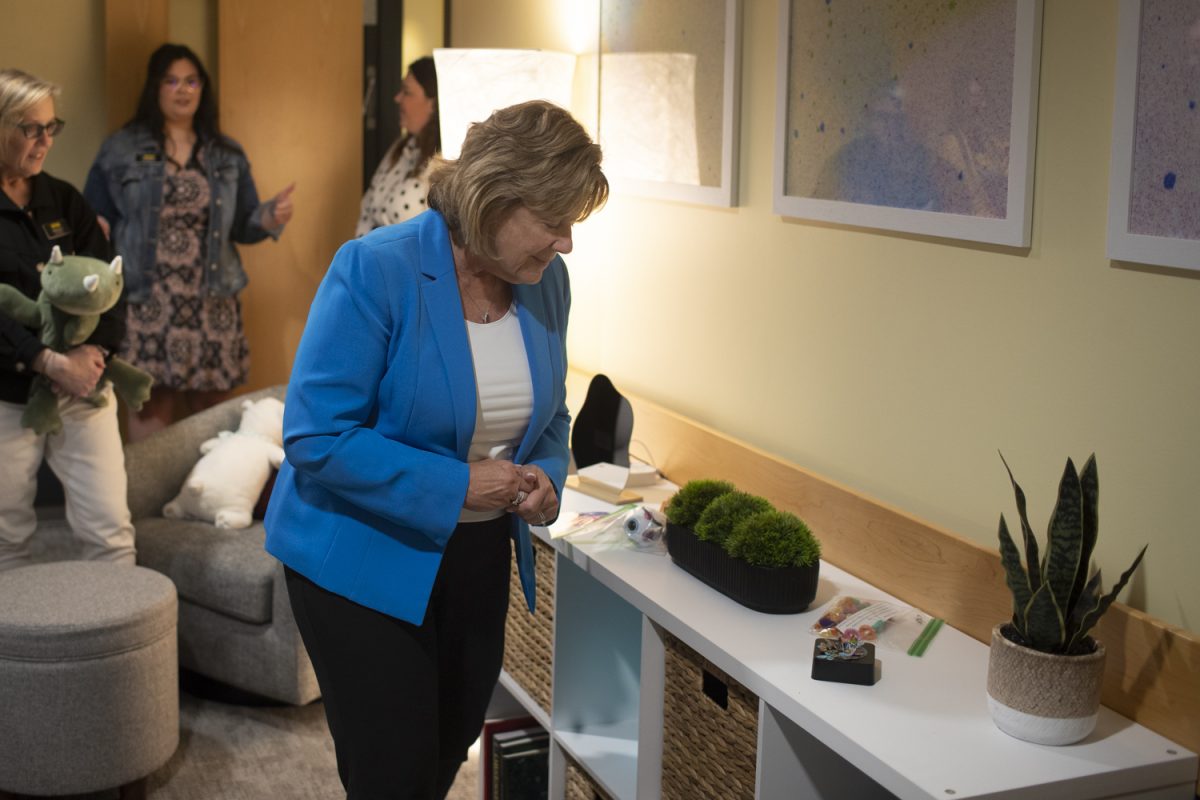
(504, 392)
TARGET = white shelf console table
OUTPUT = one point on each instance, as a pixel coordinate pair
(923, 731)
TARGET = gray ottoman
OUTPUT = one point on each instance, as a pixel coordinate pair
(89, 677)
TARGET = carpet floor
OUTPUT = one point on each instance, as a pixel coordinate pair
(245, 752)
(240, 752)
(256, 752)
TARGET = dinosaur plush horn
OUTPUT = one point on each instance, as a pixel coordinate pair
(91, 282)
(115, 266)
(56, 255)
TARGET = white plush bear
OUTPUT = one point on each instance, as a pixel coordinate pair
(234, 466)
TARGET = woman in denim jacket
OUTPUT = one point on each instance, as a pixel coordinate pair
(177, 195)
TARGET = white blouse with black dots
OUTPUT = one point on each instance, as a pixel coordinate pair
(392, 197)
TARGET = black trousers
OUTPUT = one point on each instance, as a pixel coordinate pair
(404, 702)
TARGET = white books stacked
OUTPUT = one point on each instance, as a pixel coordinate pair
(612, 483)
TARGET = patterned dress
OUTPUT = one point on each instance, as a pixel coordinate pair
(185, 338)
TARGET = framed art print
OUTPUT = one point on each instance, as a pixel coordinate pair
(915, 116)
(668, 108)
(1154, 183)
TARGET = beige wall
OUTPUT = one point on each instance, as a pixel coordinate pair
(72, 55)
(76, 62)
(899, 365)
(269, 109)
(194, 23)
(423, 29)
(894, 364)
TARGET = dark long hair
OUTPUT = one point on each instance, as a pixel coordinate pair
(149, 114)
(429, 140)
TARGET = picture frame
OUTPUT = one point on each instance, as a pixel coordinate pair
(1154, 181)
(914, 119)
(669, 98)
(474, 82)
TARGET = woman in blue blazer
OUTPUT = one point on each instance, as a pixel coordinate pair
(425, 428)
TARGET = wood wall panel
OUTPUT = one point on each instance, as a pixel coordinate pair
(290, 93)
(133, 29)
(1151, 669)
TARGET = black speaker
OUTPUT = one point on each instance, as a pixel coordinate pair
(604, 426)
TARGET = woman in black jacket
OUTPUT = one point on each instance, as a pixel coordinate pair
(37, 213)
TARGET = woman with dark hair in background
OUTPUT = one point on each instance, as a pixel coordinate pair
(177, 194)
(400, 184)
(37, 213)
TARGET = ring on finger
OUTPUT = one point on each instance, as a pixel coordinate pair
(541, 518)
(520, 498)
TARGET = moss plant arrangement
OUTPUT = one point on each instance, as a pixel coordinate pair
(1045, 669)
(774, 539)
(693, 497)
(726, 511)
(739, 544)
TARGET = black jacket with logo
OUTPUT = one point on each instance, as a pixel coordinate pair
(57, 215)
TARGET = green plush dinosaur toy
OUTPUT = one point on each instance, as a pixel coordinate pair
(76, 290)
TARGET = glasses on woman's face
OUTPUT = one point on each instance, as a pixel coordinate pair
(34, 130)
(192, 82)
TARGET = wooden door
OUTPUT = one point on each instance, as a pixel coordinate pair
(133, 29)
(290, 93)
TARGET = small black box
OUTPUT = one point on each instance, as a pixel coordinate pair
(864, 670)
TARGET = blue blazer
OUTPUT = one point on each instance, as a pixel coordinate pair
(380, 412)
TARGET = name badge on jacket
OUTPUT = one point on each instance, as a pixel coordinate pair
(56, 229)
(149, 156)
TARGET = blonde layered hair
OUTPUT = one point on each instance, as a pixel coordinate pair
(532, 154)
(19, 92)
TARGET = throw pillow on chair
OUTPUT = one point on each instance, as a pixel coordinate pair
(226, 483)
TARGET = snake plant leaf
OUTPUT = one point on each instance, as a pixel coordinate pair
(1093, 616)
(1089, 596)
(1014, 575)
(1064, 539)
(1032, 558)
(1089, 486)
(1045, 628)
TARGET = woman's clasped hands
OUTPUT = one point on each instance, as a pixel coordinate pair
(523, 489)
(74, 373)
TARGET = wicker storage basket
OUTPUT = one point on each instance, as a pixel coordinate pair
(529, 638)
(710, 729)
(580, 785)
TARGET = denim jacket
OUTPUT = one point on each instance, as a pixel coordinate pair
(125, 186)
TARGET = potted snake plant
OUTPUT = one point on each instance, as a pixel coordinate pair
(1045, 669)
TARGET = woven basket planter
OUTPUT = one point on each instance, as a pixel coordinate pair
(529, 638)
(772, 590)
(710, 729)
(580, 785)
(1041, 697)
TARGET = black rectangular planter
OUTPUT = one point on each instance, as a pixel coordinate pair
(772, 590)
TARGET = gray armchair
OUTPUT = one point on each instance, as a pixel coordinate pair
(235, 621)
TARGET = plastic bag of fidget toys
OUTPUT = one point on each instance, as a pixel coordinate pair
(864, 620)
(631, 525)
